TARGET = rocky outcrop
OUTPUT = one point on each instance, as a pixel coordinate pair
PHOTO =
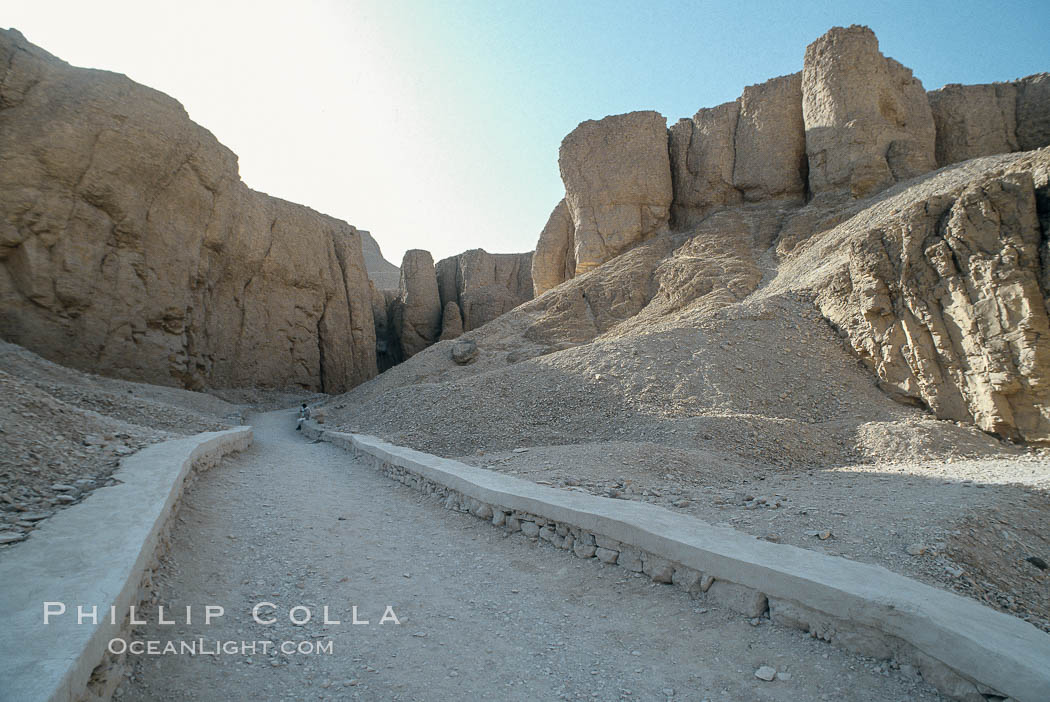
(382, 272)
(484, 285)
(868, 121)
(1033, 112)
(702, 159)
(130, 247)
(451, 321)
(554, 260)
(614, 207)
(993, 118)
(945, 298)
(416, 312)
(749, 150)
(771, 141)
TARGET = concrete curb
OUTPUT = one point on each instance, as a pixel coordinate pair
(95, 553)
(965, 649)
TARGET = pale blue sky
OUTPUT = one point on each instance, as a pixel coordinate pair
(436, 125)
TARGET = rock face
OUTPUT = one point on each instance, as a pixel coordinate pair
(868, 121)
(1033, 112)
(749, 150)
(993, 118)
(484, 285)
(382, 272)
(388, 350)
(451, 321)
(946, 300)
(614, 207)
(416, 312)
(554, 260)
(130, 247)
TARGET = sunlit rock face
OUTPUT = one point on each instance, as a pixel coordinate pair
(868, 121)
(617, 179)
(130, 247)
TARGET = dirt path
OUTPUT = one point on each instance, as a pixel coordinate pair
(482, 615)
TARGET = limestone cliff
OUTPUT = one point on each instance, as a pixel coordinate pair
(992, 118)
(944, 299)
(483, 286)
(382, 272)
(130, 247)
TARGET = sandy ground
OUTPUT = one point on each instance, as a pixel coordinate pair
(972, 526)
(482, 614)
(63, 432)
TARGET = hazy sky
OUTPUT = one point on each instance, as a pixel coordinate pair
(436, 124)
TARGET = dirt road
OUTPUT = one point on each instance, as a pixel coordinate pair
(482, 615)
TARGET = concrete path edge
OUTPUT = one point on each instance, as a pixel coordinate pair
(95, 553)
(964, 648)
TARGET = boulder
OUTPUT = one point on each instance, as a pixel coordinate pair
(868, 120)
(613, 207)
(464, 351)
(554, 260)
(130, 247)
(416, 313)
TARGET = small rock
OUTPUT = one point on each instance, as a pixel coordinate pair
(784, 676)
(530, 529)
(766, 673)
(464, 351)
(10, 537)
(1037, 562)
(916, 549)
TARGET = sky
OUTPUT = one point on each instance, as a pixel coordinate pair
(436, 124)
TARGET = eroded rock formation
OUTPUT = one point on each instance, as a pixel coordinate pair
(868, 121)
(612, 206)
(749, 150)
(415, 316)
(992, 118)
(946, 300)
(554, 260)
(946, 303)
(130, 247)
(484, 285)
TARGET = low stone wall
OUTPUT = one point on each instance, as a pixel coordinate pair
(101, 552)
(963, 648)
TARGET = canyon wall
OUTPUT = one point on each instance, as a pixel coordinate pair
(130, 247)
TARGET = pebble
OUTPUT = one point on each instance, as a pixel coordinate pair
(766, 673)
(916, 549)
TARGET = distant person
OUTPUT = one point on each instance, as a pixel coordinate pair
(304, 414)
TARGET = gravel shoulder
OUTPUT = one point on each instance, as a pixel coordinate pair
(481, 613)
